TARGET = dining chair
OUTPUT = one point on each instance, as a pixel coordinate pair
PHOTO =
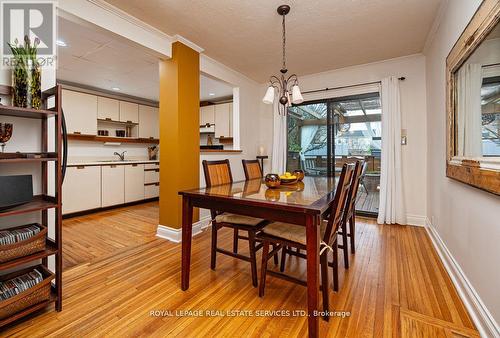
(350, 214)
(219, 173)
(286, 235)
(252, 169)
(363, 175)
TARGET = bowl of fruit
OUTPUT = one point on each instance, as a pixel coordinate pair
(288, 178)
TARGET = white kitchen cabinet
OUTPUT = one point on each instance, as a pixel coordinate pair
(207, 115)
(223, 120)
(113, 185)
(152, 176)
(108, 109)
(134, 182)
(81, 189)
(152, 191)
(80, 112)
(148, 122)
(129, 112)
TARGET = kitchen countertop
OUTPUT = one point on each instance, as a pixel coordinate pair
(96, 162)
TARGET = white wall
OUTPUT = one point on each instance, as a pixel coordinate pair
(467, 219)
(413, 103)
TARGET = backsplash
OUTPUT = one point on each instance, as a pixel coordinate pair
(100, 150)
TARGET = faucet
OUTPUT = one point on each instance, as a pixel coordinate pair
(121, 156)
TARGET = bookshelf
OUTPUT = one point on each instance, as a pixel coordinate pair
(50, 164)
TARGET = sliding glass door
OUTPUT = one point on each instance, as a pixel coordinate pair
(323, 135)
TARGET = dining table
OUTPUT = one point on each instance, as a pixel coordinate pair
(304, 203)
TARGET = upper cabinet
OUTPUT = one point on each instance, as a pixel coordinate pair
(207, 115)
(108, 109)
(129, 112)
(223, 120)
(148, 122)
(80, 112)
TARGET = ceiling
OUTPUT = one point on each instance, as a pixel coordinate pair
(98, 58)
(321, 34)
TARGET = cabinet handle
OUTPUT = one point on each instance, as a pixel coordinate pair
(108, 119)
(77, 132)
(80, 167)
(112, 166)
(134, 165)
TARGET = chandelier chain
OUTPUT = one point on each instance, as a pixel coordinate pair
(284, 43)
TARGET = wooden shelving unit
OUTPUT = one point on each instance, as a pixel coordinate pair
(41, 203)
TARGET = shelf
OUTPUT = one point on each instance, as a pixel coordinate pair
(48, 157)
(31, 309)
(221, 151)
(40, 202)
(26, 112)
(50, 249)
(95, 138)
(118, 122)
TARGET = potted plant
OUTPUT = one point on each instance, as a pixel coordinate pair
(27, 75)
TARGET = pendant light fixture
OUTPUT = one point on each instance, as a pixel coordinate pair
(280, 85)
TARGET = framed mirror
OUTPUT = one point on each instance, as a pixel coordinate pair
(473, 102)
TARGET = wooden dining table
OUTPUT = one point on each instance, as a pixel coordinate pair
(304, 203)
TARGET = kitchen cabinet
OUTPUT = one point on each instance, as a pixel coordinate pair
(108, 109)
(152, 176)
(207, 115)
(148, 122)
(134, 182)
(113, 185)
(223, 120)
(80, 111)
(81, 189)
(152, 190)
(129, 112)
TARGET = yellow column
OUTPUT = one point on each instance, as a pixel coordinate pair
(179, 131)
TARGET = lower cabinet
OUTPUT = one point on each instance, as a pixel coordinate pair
(152, 190)
(113, 187)
(134, 182)
(81, 189)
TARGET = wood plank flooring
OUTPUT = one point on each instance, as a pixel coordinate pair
(367, 202)
(396, 286)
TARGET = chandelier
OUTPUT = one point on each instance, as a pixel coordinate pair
(281, 85)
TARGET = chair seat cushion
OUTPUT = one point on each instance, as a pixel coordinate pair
(238, 219)
(291, 232)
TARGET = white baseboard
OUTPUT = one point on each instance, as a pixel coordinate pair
(482, 318)
(175, 235)
(416, 220)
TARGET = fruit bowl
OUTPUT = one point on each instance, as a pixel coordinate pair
(288, 178)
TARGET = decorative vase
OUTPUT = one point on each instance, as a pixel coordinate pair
(272, 180)
(27, 85)
(5, 134)
(299, 173)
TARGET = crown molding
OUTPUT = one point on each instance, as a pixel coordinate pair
(190, 44)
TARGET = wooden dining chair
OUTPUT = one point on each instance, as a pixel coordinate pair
(252, 169)
(350, 214)
(219, 173)
(286, 235)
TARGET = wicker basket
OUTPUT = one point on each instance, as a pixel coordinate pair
(24, 248)
(35, 295)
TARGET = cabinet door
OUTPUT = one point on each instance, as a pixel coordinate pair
(207, 115)
(152, 176)
(80, 111)
(222, 120)
(129, 112)
(108, 109)
(81, 189)
(152, 191)
(231, 119)
(113, 185)
(148, 122)
(134, 182)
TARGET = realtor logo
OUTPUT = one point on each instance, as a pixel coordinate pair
(33, 20)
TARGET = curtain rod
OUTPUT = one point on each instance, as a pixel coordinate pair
(349, 86)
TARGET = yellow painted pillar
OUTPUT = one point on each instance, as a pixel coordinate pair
(179, 131)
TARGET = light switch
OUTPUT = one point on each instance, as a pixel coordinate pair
(404, 138)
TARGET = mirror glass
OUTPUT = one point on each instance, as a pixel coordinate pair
(477, 112)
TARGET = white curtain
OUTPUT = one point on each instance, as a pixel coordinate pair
(392, 207)
(469, 123)
(278, 161)
(307, 134)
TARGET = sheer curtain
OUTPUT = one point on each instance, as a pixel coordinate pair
(391, 207)
(469, 123)
(278, 161)
(307, 134)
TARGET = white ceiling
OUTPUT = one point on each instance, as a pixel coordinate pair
(322, 34)
(98, 58)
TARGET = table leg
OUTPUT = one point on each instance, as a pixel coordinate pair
(312, 244)
(187, 230)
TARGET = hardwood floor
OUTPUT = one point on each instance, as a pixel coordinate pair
(396, 286)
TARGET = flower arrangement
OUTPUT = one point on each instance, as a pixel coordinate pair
(27, 74)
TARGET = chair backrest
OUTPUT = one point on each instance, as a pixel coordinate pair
(338, 204)
(353, 192)
(217, 172)
(252, 169)
(363, 170)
